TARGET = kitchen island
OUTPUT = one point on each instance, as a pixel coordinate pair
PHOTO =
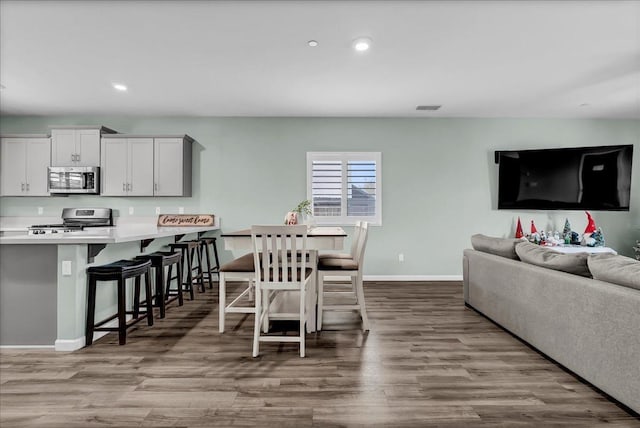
(43, 278)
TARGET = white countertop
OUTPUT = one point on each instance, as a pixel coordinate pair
(101, 235)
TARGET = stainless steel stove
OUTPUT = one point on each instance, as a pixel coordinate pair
(75, 220)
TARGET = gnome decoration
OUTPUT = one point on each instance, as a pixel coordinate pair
(588, 231)
(535, 236)
(519, 233)
(591, 224)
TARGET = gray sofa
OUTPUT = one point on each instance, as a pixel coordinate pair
(589, 326)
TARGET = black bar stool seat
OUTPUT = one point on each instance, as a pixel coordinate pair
(119, 271)
(159, 260)
(190, 250)
(205, 244)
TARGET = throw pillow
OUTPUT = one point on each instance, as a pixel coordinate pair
(504, 247)
(617, 269)
(544, 257)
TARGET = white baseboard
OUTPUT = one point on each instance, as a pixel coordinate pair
(75, 344)
(392, 278)
(26, 346)
(412, 278)
(69, 344)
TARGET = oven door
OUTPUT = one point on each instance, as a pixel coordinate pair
(69, 180)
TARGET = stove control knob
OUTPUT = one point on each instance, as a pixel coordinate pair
(54, 231)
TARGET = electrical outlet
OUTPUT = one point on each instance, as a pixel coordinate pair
(157, 210)
(66, 268)
(131, 210)
(401, 257)
(180, 210)
(40, 210)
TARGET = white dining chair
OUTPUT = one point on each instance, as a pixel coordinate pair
(281, 271)
(341, 267)
(354, 246)
(240, 269)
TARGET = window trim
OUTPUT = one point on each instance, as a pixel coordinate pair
(345, 220)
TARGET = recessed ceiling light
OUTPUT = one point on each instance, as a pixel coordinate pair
(362, 44)
(312, 43)
(120, 87)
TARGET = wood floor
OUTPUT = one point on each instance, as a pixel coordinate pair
(428, 361)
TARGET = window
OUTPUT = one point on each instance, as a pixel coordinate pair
(345, 187)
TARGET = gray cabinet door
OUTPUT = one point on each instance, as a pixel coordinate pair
(113, 167)
(168, 166)
(13, 162)
(63, 147)
(140, 166)
(87, 147)
(38, 152)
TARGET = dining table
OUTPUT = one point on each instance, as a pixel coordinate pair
(318, 238)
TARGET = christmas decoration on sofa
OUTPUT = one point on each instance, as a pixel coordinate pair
(535, 236)
(591, 224)
(597, 238)
(567, 229)
(519, 233)
(592, 236)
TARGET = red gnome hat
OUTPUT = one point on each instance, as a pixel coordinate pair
(591, 224)
(533, 228)
(519, 233)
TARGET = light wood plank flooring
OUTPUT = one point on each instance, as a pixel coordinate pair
(428, 361)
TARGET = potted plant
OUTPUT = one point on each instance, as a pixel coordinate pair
(300, 213)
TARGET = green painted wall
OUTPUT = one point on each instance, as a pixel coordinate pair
(439, 179)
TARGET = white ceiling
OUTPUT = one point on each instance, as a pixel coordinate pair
(250, 58)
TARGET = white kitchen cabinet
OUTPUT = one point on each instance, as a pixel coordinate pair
(76, 146)
(23, 166)
(126, 166)
(172, 166)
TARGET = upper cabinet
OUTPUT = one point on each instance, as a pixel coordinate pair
(23, 165)
(172, 166)
(76, 146)
(146, 165)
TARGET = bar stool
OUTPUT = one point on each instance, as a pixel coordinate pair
(163, 296)
(204, 248)
(189, 249)
(119, 271)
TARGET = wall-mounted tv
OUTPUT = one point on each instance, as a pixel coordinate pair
(580, 178)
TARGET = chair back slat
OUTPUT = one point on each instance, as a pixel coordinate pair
(280, 247)
(362, 243)
(355, 239)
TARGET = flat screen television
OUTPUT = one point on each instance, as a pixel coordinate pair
(580, 178)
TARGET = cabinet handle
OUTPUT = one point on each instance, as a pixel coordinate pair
(73, 157)
(155, 187)
(124, 189)
(27, 187)
(22, 186)
(77, 157)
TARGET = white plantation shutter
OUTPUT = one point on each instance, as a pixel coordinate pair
(326, 188)
(345, 187)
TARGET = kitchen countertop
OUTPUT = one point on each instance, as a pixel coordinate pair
(101, 235)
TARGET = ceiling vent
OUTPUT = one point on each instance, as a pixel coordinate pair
(432, 108)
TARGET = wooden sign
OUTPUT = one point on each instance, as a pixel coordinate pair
(177, 220)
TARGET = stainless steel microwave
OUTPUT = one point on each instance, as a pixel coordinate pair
(74, 179)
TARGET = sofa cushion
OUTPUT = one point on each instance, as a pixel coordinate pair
(616, 269)
(504, 247)
(575, 263)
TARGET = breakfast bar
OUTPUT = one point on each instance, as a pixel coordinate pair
(43, 278)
